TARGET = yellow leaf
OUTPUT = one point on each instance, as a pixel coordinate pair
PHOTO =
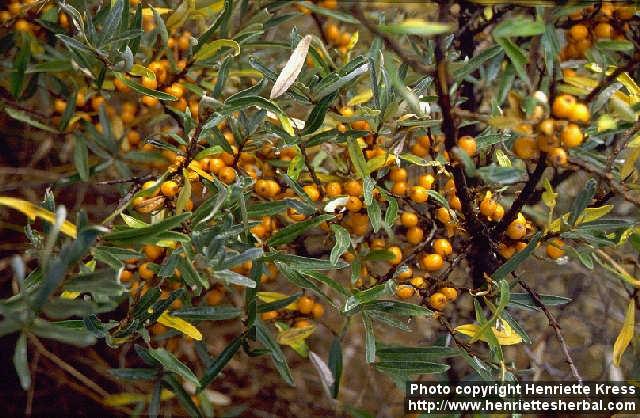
(268, 297)
(34, 211)
(68, 294)
(591, 214)
(606, 123)
(549, 196)
(505, 335)
(626, 333)
(180, 324)
(353, 41)
(504, 122)
(503, 160)
(286, 124)
(147, 11)
(195, 167)
(128, 398)
(296, 338)
(211, 9)
(360, 98)
(631, 86)
(182, 13)
(630, 163)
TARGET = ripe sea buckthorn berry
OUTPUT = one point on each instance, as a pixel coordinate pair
(418, 282)
(424, 140)
(214, 297)
(415, 235)
(345, 39)
(97, 101)
(517, 229)
(546, 126)
(419, 150)
(302, 323)
(317, 311)
(432, 262)
(407, 273)
(313, 192)
(259, 231)
(377, 244)
(262, 188)
(525, 147)
(409, 219)
(547, 143)
(557, 157)
(150, 83)
(397, 255)
(404, 291)
(59, 105)
(418, 194)
(148, 185)
(332, 33)
(488, 206)
(520, 246)
(22, 25)
(399, 188)
(145, 271)
(443, 215)
(468, 144)
(426, 181)
(153, 252)
(603, 30)
(442, 246)
(450, 187)
(450, 293)
(305, 304)
(498, 213)
(176, 90)
(571, 136)
(563, 106)
(455, 203)
(398, 174)
(295, 215)
(555, 248)
(169, 188)
(189, 205)
(360, 125)
(227, 175)
(353, 188)
(333, 189)
(354, 204)
(506, 251)
(269, 315)
(150, 101)
(578, 32)
(580, 113)
(438, 301)
(126, 276)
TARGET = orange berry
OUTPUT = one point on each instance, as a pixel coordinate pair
(398, 174)
(571, 136)
(450, 293)
(426, 181)
(506, 251)
(498, 213)
(415, 235)
(22, 25)
(169, 188)
(332, 33)
(214, 297)
(397, 255)
(405, 274)
(418, 282)
(443, 215)
(547, 143)
(399, 188)
(404, 291)
(126, 276)
(419, 150)
(317, 311)
(432, 262)
(153, 252)
(517, 229)
(418, 194)
(353, 188)
(302, 323)
(145, 271)
(377, 244)
(409, 219)
(450, 187)
(437, 301)
(333, 189)
(455, 203)
(176, 90)
(557, 157)
(580, 113)
(150, 83)
(59, 105)
(578, 32)
(563, 105)
(305, 304)
(354, 204)
(313, 192)
(227, 175)
(468, 144)
(603, 30)
(442, 246)
(268, 316)
(525, 147)
(555, 248)
(216, 164)
(488, 206)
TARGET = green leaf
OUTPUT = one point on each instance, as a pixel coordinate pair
(357, 158)
(334, 14)
(335, 365)
(525, 301)
(582, 200)
(134, 374)
(208, 313)
(21, 363)
(81, 158)
(26, 118)
(411, 367)
(135, 235)
(304, 263)
(183, 397)
(614, 45)
(416, 27)
(442, 201)
(242, 103)
(216, 149)
(143, 90)
(343, 243)
(369, 339)
(185, 193)
(267, 340)
(364, 296)
(405, 354)
(317, 115)
(335, 285)
(517, 56)
(99, 282)
(78, 336)
(397, 308)
(468, 67)
(171, 363)
(335, 81)
(500, 175)
(20, 67)
(518, 258)
(235, 278)
(211, 48)
(518, 26)
(218, 364)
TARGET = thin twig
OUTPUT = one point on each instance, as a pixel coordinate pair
(609, 179)
(67, 367)
(411, 256)
(312, 171)
(553, 323)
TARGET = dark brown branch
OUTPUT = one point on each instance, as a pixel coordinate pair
(528, 189)
(312, 171)
(619, 188)
(417, 65)
(411, 256)
(553, 323)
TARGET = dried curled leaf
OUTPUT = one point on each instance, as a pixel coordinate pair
(292, 69)
(626, 333)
